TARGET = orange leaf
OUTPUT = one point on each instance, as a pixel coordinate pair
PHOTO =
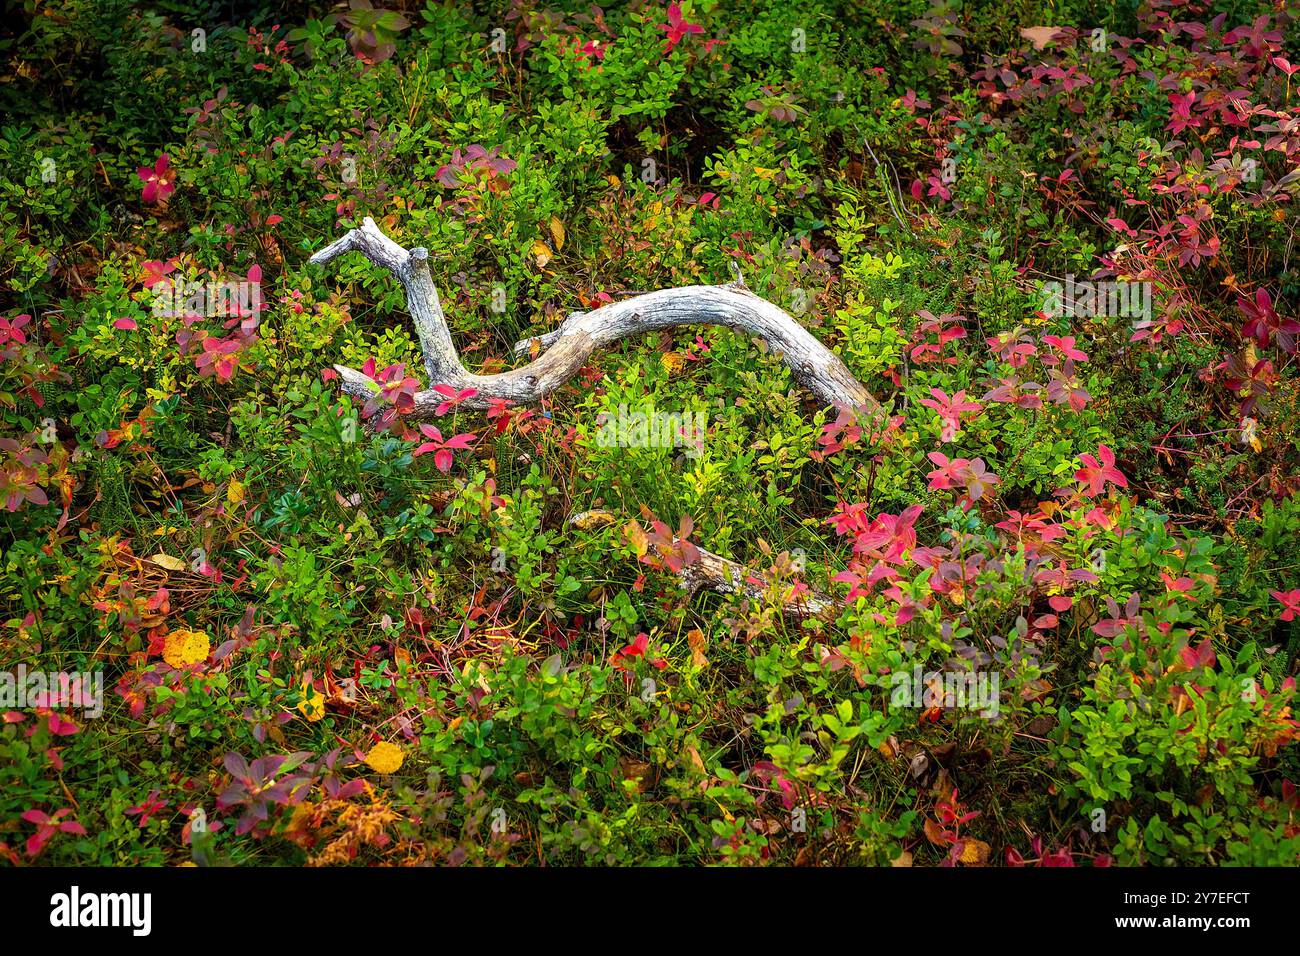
(695, 637)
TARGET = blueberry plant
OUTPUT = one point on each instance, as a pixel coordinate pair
(1037, 603)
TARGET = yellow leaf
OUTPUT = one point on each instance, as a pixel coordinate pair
(312, 706)
(182, 648)
(168, 562)
(542, 253)
(636, 536)
(557, 233)
(235, 491)
(672, 361)
(385, 757)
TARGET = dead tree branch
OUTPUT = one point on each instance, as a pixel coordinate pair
(565, 350)
(713, 572)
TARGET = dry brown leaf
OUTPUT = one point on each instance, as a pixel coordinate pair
(636, 770)
(694, 758)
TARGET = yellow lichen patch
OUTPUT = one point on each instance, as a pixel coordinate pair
(385, 757)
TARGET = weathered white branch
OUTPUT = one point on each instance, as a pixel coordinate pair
(716, 573)
(412, 269)
(565, 350)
